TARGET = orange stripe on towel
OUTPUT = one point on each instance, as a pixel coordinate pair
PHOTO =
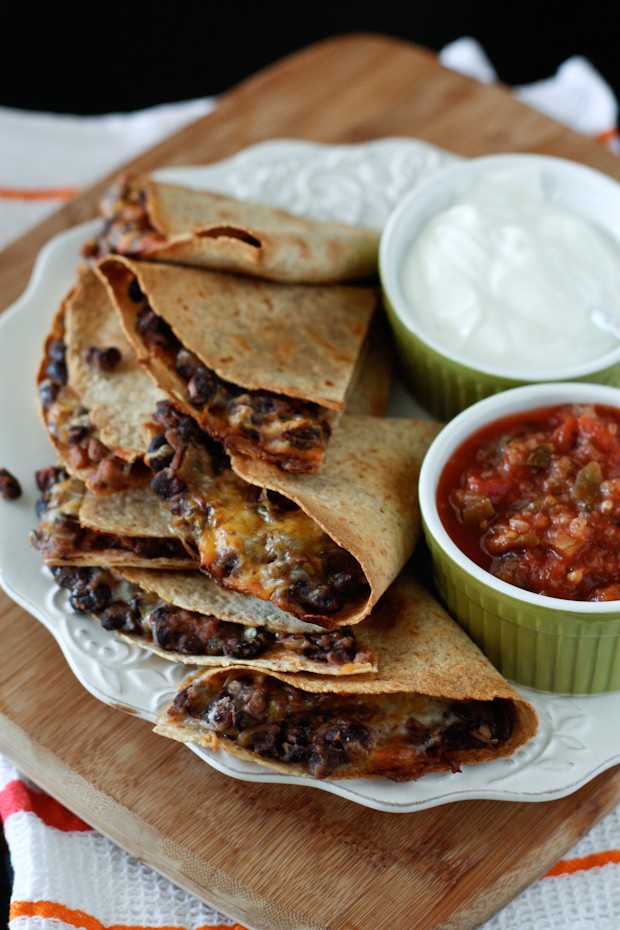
(16, 797)
(77, 918)
(52, 193)
(608, 135)
(569, 866)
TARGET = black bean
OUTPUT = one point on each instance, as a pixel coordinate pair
(57, 371)
(294, 741)
(185, 364)
(264, 740)
(48, 392)
(46, 478)
(220, 715)
(167, 485)
(316, 598)
(56, 350)
(243, 648)
(121, 616)
(105, 359)
(202, 386)
(68, 576)
(155, 331)
(159, 454)
(92, 599)
(305, 436)
(135, 292)
(322, 759)
(10, 488)
(343, 735)
(77, 434)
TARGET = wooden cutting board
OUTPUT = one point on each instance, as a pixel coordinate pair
(275, 857)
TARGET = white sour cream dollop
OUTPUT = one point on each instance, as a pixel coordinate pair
(506, 278)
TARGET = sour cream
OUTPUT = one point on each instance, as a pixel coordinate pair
(507, 278)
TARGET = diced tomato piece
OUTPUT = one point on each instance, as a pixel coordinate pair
(565, 435)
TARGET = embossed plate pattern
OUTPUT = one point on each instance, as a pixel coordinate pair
(578, 737)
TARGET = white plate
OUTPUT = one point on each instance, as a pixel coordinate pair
(578, 737)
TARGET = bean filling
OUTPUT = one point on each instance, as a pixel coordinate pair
(60, 535)
(69, 424)
(125, 607)
(289, 432)
(400, 736)
(250, 539)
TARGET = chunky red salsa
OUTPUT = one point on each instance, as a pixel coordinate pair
(535, 499)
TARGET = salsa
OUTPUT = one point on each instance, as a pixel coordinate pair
(534, 499)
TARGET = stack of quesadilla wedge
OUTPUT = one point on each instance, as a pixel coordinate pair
(230, 496)
(434, 704)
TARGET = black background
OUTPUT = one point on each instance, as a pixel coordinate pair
(91, 59)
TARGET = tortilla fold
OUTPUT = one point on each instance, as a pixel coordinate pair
(364, 500)
(171, 223)
(276, 377)
(97, 418)
(423, 655)
(192, 591)
(126, 528)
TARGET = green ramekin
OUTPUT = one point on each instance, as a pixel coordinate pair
(442, 381)
(551, 644)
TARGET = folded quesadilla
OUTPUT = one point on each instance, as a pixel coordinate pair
(184, 617)
(322, 547)
(264, 368)
(145, 218)
(128, 527)
(434, 704)
(120, 560)
(94, 398)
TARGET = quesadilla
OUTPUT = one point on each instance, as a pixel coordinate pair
(264, 368)
(145, 218)
(125, 528)
(184, 617)
(434, 704)
(120, 561)
(94, 398)
(322, 547)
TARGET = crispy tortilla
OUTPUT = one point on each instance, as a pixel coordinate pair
(146, 218)
(192, 591)
(127, 528)
(183, 617)
(273, 535)
(423, 657)
(96, 419)
(276, 378)
(121, 534)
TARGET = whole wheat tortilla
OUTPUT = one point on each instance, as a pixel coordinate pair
(205, 229)
(133, 512)
(364, 496)
(300, 341)
(83, 529)
(195, 592)
(419, 649)
(138, 513)
(118, 405)
(120, 402)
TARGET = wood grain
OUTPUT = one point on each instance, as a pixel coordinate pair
(270, 856)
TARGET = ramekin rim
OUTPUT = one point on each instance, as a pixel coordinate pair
(449, 439)
(388, 273)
